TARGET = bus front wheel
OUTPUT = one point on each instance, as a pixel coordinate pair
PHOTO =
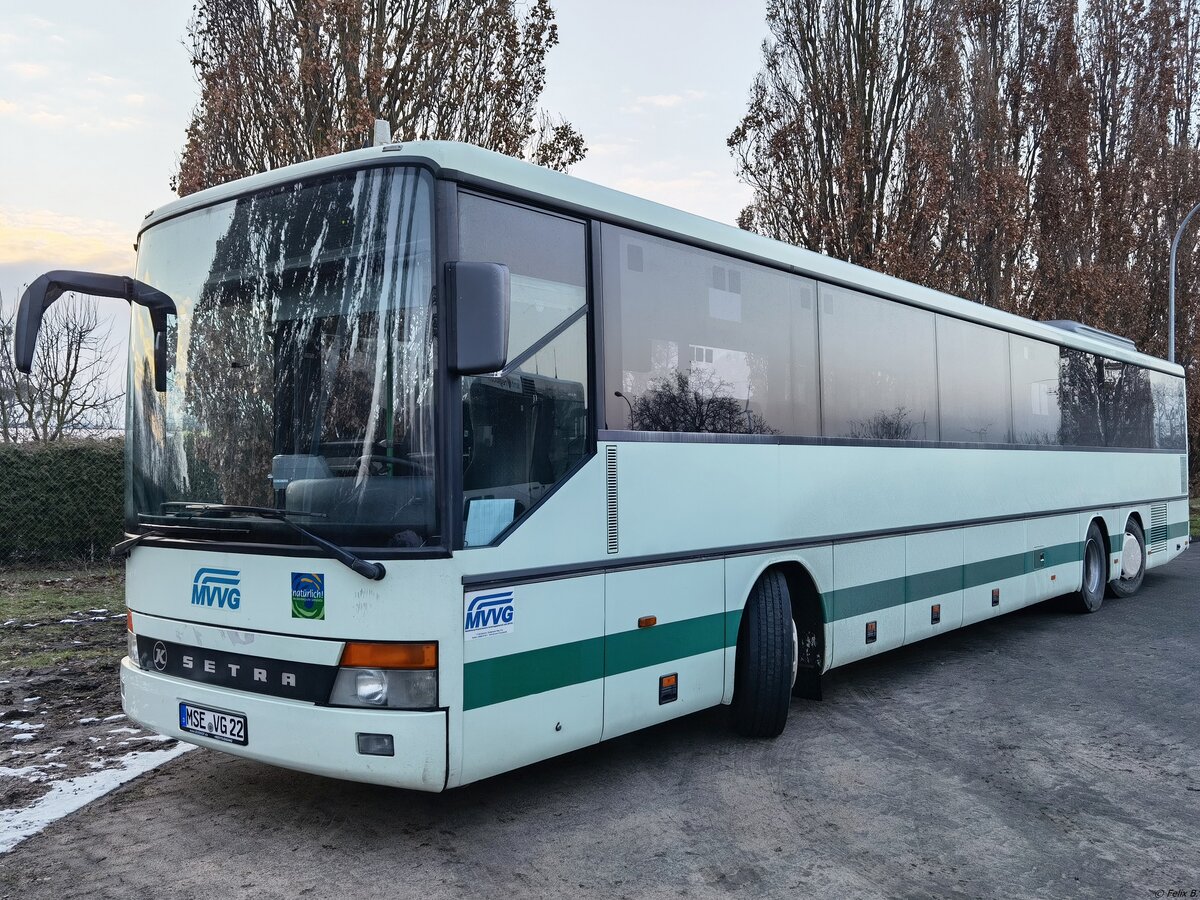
(766, 659)
(1095, 570)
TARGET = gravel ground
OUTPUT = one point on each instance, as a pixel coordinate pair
(1043, 754)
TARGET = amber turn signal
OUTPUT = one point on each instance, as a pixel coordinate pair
(390, 656)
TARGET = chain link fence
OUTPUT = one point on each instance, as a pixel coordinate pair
(61, 502)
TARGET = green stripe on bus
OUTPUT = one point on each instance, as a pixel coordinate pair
(866, 598)
(629, 650)
(502, 678)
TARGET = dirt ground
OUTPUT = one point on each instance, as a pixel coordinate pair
(1043, 754)
(62, 636)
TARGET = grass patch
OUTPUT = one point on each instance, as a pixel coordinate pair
(46, 617)
(1195, 517)
(28, 595)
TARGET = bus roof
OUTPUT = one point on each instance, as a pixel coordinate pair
(487, 169)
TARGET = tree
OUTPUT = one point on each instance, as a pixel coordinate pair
(69, 392)
(823, 142)
(1033, 155)
(282, 81)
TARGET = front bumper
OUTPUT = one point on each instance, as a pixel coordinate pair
(296, 735)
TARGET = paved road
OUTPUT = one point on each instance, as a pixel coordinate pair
(1044, 754)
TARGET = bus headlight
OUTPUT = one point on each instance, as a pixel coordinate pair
(387, 676)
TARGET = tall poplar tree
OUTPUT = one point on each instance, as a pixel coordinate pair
(283, 81)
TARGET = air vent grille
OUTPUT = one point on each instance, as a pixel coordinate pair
(1158, 528)
(610, 492)
(528, 385)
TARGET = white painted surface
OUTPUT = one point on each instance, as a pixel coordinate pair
(74, 793)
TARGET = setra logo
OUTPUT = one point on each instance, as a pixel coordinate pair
(489, 614)
(217, 586)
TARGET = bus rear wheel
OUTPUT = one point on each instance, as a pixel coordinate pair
(1133, 561)
(1095, 570)
(766, 659)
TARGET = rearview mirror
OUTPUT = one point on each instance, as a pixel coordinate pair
(47, 288)
(479, 295)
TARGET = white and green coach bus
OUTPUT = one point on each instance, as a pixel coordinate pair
(439, 464)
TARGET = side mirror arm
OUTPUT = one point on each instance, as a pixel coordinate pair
(49, 287)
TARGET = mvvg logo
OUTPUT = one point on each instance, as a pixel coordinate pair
(489, 614)
(219, 586)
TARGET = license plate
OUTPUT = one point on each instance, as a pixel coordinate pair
(212, 723)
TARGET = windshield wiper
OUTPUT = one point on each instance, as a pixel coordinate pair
(372, 570)
(123, 548)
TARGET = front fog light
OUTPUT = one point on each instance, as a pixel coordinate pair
(371, 687)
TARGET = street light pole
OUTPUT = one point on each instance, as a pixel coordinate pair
(627, 403)
(1174, 247)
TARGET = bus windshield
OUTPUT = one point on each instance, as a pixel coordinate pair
(301, 365)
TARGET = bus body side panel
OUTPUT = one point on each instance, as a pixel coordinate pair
(741, 572)
(994, 570)
(868, 587)
(1054, 560)
(687, 642)
(1167, 540)
(533, 685)
(933, 575)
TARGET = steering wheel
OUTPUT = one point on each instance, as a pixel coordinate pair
(378, 459)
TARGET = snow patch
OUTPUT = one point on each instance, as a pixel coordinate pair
(64, 797)
(115, 718)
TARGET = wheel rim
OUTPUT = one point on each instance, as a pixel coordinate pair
(1092, 566)
(1131, 558)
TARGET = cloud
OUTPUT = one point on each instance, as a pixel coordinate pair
(134, 99)
(101, 78)
(650, 102)
(700, 191)
(28, 70)
(7, 108)
(44, 239)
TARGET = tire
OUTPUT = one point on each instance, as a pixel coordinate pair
(1135, 542)
(766, 654)
(1095, 570)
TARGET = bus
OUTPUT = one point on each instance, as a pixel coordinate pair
(439, 464)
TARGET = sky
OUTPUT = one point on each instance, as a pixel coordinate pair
(95, 97)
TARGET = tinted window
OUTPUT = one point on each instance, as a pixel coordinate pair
(1170, 411)
(524, 430)
(1036, 417)
(698, 342)
(1081, 398)
(877, 368)
(1105, 403)
(545, 257)
(973, 382)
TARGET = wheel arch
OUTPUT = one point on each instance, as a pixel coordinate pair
(1099, 522)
